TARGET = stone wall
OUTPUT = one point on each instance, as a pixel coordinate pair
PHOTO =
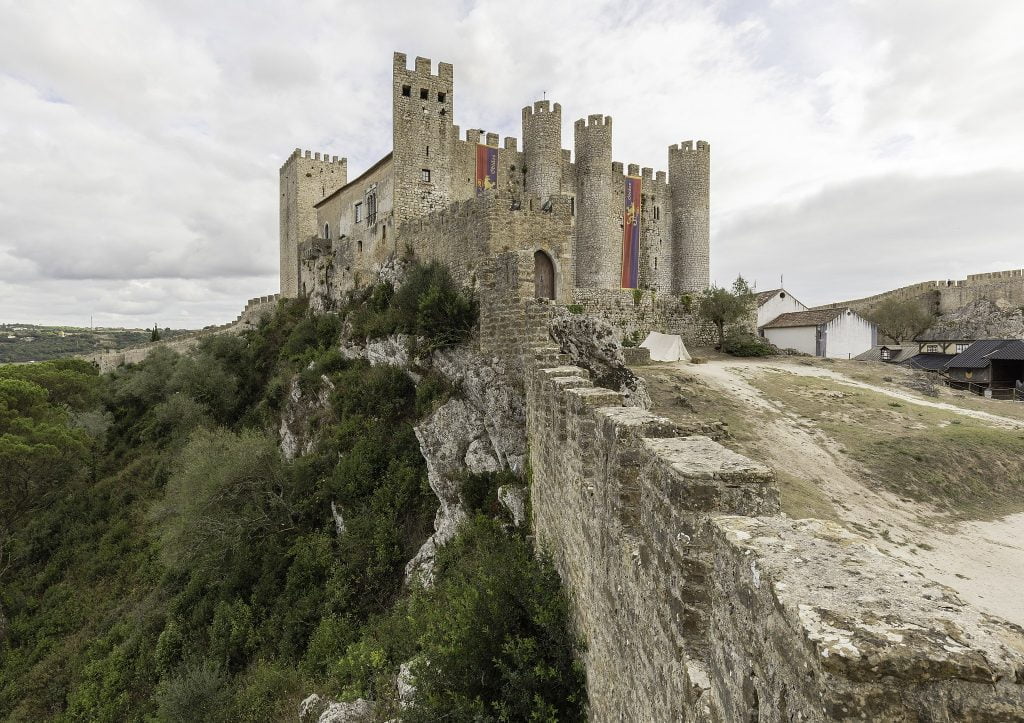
(697, 602)
(646, 311)
(1003, 288)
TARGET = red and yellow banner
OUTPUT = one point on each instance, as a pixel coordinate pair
(486, 168)
(631, 235)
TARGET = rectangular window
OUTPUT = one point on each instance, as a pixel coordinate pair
(359, 212)
(407, 90)
(657, 213)
(572, 205)
(425, 175)
(441, 97)
(424, 93)
(961, 348)
(932, 348)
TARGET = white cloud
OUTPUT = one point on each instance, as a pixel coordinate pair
(855, 146)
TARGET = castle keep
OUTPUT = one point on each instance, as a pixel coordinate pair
(460, 199)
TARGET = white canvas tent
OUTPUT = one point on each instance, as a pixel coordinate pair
(666, 347)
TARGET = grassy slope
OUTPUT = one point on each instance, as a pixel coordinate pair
(960, 464)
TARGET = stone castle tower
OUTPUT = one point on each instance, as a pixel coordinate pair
(305, 179)
(541, 199)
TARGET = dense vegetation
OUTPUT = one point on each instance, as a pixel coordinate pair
(31, 342)
(159, 559)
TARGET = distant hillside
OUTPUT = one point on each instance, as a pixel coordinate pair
(32, 342)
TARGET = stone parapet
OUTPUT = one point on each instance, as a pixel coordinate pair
(809, 622)
(697, 600)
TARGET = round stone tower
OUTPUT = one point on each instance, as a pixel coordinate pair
(597, 253)
(689, 178)
(542, 149)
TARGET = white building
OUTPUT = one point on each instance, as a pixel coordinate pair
(772, 304)
(838, 333)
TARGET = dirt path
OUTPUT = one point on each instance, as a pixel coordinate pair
(981, 560)
(725, 370)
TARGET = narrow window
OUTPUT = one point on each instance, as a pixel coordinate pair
(371, 207)
(657, 212)
(572, 205)
(407, 90)
(359, 212)
(359, 245)
(441, 97)
(428, 151)
(327, 231)
(425, 175)
(424, 93)
(655, 263)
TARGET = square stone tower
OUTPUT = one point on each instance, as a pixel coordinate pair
(305, 178)
(423, 137)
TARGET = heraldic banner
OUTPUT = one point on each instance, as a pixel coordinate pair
(631, 235)
(486, 168)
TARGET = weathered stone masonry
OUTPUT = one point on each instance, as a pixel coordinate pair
(697, 602)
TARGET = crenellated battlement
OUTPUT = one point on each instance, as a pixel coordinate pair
(617, 167)
(315, 156)
(690, 147)
(422, 68)
(698, 600)
(542, 107)
(595, 120)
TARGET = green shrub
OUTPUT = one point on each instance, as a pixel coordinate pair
(199, 692)
(740, 342)
(575, 308)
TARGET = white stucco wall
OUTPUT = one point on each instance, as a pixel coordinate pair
(801, 338)
(848, 335)
(782, 303)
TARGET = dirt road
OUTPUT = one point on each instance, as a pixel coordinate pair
(981, 560)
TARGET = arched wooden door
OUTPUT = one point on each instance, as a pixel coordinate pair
(543, 276)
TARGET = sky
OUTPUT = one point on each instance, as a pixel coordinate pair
(855, 146)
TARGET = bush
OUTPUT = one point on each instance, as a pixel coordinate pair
(200, 692)
(740, 342)
(429, 304)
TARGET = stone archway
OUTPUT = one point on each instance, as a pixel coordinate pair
(543, 276)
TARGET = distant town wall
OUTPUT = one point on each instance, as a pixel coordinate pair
(1004, 288)
(250, 317)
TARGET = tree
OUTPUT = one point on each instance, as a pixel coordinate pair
(155, 334)
(901, 319)
(723, 307)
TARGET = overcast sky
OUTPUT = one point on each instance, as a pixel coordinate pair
(856, 146)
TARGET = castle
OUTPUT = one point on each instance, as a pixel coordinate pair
(582, 220)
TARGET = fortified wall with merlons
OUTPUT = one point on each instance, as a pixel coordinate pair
(591, 226)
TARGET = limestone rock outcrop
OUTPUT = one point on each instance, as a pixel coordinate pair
(484, 431)
(981, 319)
(316, 709)
(298, 428)
(592, 343)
